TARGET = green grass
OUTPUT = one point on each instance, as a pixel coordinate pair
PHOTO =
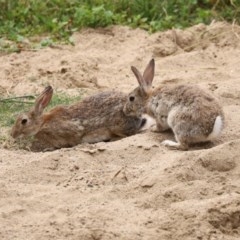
(59, 19)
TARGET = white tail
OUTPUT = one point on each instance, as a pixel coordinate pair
(217, 128)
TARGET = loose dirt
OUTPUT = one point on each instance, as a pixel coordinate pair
(133, 188)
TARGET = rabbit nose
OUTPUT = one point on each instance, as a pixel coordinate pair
(144, 120)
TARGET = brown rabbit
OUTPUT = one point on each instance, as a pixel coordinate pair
(97, 118)
(193, 115)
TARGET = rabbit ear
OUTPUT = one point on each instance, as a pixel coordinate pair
(148, 74)
(43, 100)
(138, 75)
(145, 81)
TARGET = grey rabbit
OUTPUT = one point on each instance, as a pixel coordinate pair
(193, 114)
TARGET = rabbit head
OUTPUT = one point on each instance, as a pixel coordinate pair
(135, 105)
(28, 124)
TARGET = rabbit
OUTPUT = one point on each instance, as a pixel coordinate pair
(99, 117)
(192, 114)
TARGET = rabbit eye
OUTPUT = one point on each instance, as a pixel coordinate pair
(131, 99)
(24, 121)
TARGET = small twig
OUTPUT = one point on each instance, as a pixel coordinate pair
(123, 171)
(12, 98)
(30, 49)
(13, 101)
(117, 173)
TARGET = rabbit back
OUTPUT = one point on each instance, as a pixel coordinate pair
(99, 117)
(105, 110)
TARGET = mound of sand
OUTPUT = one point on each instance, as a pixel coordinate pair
(134, 188)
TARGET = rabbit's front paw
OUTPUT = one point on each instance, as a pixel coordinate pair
(173, 145)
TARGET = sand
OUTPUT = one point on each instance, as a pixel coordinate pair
(133, 188)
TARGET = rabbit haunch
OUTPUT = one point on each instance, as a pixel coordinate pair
(193, 114)
(99, 117)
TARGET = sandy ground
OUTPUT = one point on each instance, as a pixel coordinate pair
(133, 188)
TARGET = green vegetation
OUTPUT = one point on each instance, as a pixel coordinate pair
(58, 19)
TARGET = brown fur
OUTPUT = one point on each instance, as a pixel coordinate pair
(97, 118)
